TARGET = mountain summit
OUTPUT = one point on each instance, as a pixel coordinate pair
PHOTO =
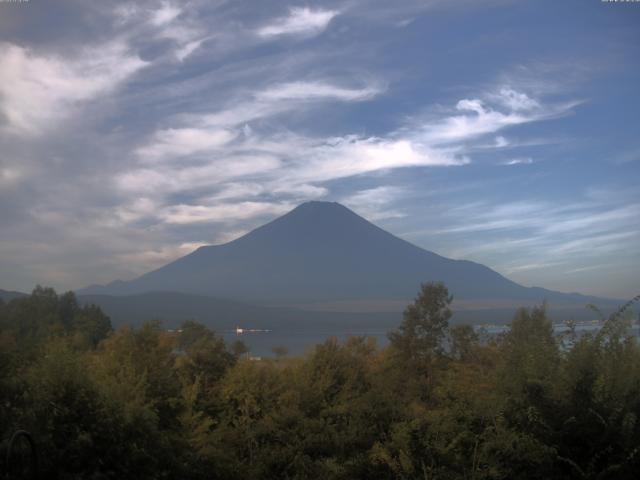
(318, 252)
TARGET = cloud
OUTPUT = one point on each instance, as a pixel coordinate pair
(188, 48)
(587, 268)
(165, 14)
(315, 91)
(516, 101)
(180, 142)
(124, 13)
(168, 179)
(627, 157)
(374, 203)
(545, 230)
(279, 98)
(518, 161)
(300, 21)
(158, 21)
(242, 113)
(538, 241)
(480, 118)
(148, 259)
(37, 90)
(293, 167)
(10, 176)
(303, 191)
(344, 157)
(501, 142)
(462, 127)
(238, 190)
(222, 151)
(137, 209)
(123, 147)
(188, 214)
(404, 23)
(520, 267)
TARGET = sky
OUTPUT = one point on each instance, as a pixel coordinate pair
(503, 132)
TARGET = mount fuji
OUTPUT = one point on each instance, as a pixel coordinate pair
(323, 255)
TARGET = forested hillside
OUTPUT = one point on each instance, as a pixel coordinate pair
(439, 402)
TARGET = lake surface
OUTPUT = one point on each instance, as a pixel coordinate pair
(299, 341)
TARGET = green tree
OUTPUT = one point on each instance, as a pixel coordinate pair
(280, 351)
(419, 339)
(530, 351)
(91, 324)
(463, 342)
(32, 320)
(204, 356)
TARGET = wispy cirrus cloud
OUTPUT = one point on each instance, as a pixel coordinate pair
(151, 257)
(179, 142)
(518, 161)
(477, 117)
(165, 14)
(190, 47)
(374, 203)
(316, 90)
(295, 164)
(37, 90)
(300, 21)
(136, 128)
(175, 178)
(572, 241)
(164, 20)
(516, 101)
(220, 212)
(11, 175)
(561, 234)
(280, 98)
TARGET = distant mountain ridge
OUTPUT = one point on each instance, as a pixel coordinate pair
(324, 252)
(223, 315)
(173, 308)
(8, 295)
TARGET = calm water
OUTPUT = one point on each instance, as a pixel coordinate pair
(300, 341)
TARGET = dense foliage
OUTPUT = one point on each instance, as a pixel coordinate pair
(437, 403)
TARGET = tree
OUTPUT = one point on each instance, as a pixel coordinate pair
(238, 348)
(280, 351)
(91, 324)
(205, 354)
(463, 339)
(33, 319)
(424, 327)
(530, 349)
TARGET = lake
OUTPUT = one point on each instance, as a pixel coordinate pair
(299, 341)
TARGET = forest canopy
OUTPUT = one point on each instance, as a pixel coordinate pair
(439, 401)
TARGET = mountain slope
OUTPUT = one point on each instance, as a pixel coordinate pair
(302, 327)
(321, 252)
(220, 314)
(8, 295)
